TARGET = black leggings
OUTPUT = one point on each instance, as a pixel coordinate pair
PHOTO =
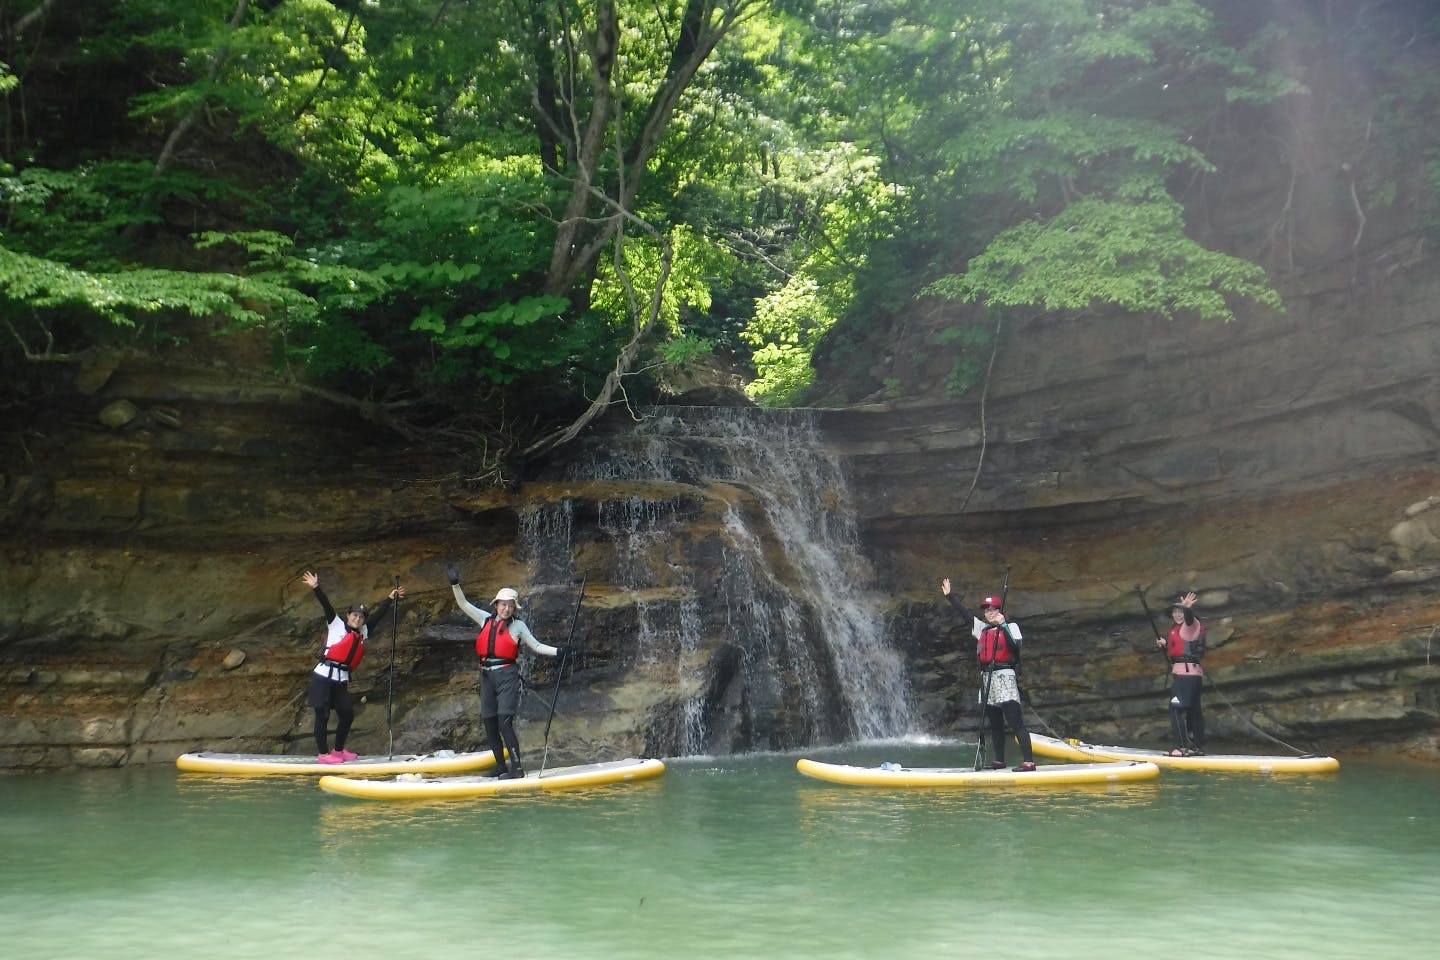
(342, 729)
(1187, 719)
(1008, 713)
(500, 731)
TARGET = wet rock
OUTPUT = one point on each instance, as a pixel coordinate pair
(118, 413)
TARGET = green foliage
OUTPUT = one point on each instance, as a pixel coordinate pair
(1133, 255)
(972, 343)
(787, 327)
(39, 293)
(1036, 141)
(841, 206)
(84, 214)
(1026, 156)
(682, 351)
(318, 323)
(485, 329)
(384, 186)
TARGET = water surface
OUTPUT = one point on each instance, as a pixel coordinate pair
(739, 857)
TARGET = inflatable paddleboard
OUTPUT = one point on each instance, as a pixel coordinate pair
(1045, 775)
(420, 787)
(264, 764)
(1078, 750)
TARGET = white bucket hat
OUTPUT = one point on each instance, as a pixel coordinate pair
(508, 593)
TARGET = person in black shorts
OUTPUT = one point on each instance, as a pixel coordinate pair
(330, 680)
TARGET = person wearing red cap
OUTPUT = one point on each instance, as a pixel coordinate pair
(330, 680)
(997, 648)
(498, 644)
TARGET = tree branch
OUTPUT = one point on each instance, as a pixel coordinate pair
(167, 152)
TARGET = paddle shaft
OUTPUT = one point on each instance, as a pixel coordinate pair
(390, 695)
(1154, 629)
(560, 673)
(984, 720)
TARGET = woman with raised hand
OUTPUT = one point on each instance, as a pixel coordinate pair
(1184, 648)
(498, 646)
(997, 649)
(330, 680)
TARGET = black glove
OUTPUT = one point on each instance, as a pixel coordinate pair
(453, 573)
(564, 652)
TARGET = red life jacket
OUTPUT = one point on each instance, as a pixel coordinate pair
(494, 642)
(1179, 650)
(348, 651)
(994, 648)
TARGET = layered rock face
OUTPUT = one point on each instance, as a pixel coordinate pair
(152, 601)
(153, 604)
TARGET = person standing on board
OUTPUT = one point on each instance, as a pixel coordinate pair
(330, 680)
(997, 648)
(1184, 648)
(498, 645)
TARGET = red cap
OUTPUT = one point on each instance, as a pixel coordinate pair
(990, 602)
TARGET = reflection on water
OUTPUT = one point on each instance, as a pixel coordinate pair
(733, 858)
(870, 809)
(343, 818)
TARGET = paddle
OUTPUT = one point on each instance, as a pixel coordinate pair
(985, 688)
(560, 673)
(1154, 629)
(390, 696)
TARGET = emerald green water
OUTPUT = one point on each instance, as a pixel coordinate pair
(739, 857)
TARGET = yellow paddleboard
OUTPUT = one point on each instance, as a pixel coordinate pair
(418, 787)
(1046, 775)
(1078, 750)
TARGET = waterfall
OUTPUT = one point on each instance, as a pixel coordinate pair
(729, 532)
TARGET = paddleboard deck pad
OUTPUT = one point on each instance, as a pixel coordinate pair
(264, 764)
(1045, 775)
(1078, 750)
(422, 787)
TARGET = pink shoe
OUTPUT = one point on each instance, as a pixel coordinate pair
(347, 755)
(332, 757)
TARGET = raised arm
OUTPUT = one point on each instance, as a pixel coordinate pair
(382, 608)
(313, 582)
(1187, 604)
(954, 600)
(470, 610)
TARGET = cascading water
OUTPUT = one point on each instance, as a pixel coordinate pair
(727, 533)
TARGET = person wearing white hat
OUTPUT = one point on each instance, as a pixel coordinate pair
(498, 645)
